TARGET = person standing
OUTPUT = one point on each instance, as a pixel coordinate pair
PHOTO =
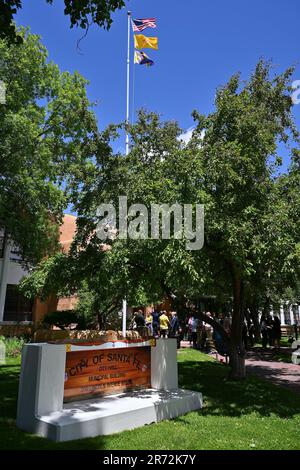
(140, 322)
(208, 327)
(155, 323)
(190, 328)
(174, 328)
(270, 329)
(164, 324)
(149, 322)
(194, 325)
(227, 324)
(186, 328)
(251, 333)
(296, 329)
(264, 331)
(276, 332)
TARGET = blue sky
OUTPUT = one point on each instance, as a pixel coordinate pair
(201, 44)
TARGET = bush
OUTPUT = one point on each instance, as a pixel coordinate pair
(13, 345)
(65, 319)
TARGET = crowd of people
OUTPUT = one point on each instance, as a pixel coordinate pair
(270, 331)
(161, 324)
(165, 324)
(202, 335)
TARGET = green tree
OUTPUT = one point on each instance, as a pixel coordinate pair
(47, 135)
(248, 228)
(231, 166)
(82, 13)
(282, 276)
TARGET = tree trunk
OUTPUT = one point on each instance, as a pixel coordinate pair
(237, 348)
(100, 321)
(237, 364)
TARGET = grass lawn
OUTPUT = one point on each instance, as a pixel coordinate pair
(252, 414)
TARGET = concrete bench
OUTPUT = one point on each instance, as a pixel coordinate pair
(296, 357)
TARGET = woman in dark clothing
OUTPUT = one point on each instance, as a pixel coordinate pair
(276, 332)
(174, 329)
(264, 331)
(270, 330)
(155, 324)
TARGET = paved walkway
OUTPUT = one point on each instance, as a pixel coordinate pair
(279, 373)
(185, 344)
(261, 364)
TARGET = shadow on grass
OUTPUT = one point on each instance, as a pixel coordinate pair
(229, 398)
(196, 372)
(13, 438)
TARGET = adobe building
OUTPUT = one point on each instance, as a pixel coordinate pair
(14, 307)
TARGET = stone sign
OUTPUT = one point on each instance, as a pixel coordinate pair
(52, 373)
(103, 372)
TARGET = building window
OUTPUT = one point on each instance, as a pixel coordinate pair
(17, 307)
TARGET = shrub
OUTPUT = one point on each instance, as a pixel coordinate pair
(64, 319)
(13, 345)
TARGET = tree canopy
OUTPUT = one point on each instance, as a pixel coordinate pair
(47, 137)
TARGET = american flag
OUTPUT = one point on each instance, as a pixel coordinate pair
(143, 23)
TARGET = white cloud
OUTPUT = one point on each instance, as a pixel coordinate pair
(187, 135)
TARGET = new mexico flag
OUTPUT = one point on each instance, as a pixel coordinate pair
(143, 42)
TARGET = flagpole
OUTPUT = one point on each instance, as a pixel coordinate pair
(128, 82)
(124, 306)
